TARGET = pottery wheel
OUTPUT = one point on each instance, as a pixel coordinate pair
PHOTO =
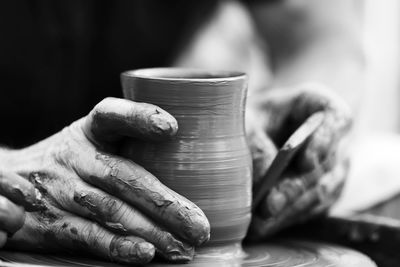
(277, 254)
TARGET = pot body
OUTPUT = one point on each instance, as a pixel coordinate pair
(208, 161)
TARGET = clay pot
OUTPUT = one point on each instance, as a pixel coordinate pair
(208, 161)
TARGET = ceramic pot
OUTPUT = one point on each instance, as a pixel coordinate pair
(208, 161)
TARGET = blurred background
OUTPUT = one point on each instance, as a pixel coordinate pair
(59, 58)
(381, 38)
(375, 175)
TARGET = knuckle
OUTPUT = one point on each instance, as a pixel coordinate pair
(101, 207)
(91, 233)
(87, 236)
(291, 188)
(111, 168)
(103, 104)
(65, 155)
(110, 165)
(41, 181)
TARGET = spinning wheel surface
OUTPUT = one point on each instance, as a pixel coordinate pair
(283, 253)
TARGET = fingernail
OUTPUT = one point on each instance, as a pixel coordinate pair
(178, 251)
(276, 202)
(197, 227)
(172, 249)
(163, 124)
(128, 251)
(292, 188)
(204, 237)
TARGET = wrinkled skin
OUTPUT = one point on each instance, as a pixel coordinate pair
(315, 177)
(83, 197)
(94, 201)
(16, 195)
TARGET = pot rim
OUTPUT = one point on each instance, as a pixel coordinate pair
(185, 74)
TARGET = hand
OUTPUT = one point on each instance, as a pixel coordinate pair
(15, 194)
(95, 201)
(315, 177)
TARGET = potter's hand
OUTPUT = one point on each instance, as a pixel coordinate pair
(16, 195)
(101, 203)
(315, 177)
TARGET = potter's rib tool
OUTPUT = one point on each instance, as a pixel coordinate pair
(285, 155)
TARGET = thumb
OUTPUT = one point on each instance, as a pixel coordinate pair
(114, 118)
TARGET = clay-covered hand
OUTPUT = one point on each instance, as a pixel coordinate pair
(97, 202)
(315, 176)
(16, 195)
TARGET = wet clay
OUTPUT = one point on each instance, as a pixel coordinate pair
(279, 253)
(208, 161)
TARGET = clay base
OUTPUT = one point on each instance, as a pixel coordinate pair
(283, 253)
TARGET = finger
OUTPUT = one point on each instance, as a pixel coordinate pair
(262, 227)
(3, 238)
(11, 216)
(286, 110)
(291, 187)
(136, 186)
(56, 230)
(287, 191)
(332, 188)
(323, 144)
(114, 118)
(20, 191)
(307, 203)
(322, 196)
(312, 97)
(114, 214)
(281, 196)
(336, 124)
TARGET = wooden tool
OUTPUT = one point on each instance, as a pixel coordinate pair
(285, 155)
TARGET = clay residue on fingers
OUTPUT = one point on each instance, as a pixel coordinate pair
(102, 213)
(172, 249)
(21, 192)
(118, 218)
(163, 124)
(30, 201)
(113, 118)
(38, 203)
(194, 223)
(176, 213)
(131, 250)
(135, 185)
